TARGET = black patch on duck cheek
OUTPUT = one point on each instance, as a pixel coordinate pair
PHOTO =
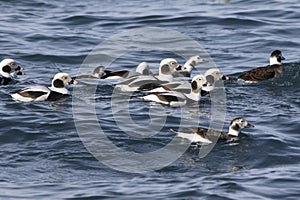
(194, 85)
(165, 69)
(210, 79)
(145, 72)
(279, 59)
(193, 63)
(236, 127)
(6, 69)
(58, 83)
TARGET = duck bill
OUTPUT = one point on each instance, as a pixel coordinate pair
(179, 68)
(249, 126)
(225, 78)
(73, 81)
(204, 61)
(19, 71)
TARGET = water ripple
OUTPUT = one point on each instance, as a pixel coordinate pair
(42, 155)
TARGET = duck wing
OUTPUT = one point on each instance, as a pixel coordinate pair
(173, 99)
(170, 96)
(213, 135)
(34, 93)
(262, 73)
(55, 96)
(108, 73)
(170, 86)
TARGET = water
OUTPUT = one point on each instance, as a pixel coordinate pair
(42, 155)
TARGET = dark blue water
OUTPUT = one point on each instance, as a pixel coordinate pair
(43, 155)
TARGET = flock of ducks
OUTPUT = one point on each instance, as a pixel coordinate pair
(160, 88)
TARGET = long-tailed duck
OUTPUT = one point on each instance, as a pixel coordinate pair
(274, 69)
(178, 96)
(182, 86)
(144, 83)
(42, 93)
(97, 73)
(189, 65)
(205, 135)
(9, 69)
(101, 73)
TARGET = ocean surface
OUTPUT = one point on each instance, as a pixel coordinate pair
(103, 144)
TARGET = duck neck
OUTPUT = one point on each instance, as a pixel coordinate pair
(233, 131)
(194, 95)
(165, 77)
(274, 61)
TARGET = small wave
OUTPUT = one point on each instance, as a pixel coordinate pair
(81, 19)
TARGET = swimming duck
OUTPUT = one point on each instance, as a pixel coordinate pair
(97, 74)
(101, 73)
(274, 69)
(178, 96)
(145, 83)
(204, 135)
(9, 69)
(42, 93)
